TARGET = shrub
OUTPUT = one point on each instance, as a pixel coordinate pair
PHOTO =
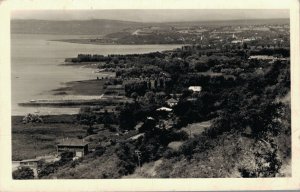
(23, 173)
(99, 151)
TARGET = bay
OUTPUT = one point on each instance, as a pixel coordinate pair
(36, 69)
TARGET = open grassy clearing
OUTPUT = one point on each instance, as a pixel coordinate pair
(196, 128)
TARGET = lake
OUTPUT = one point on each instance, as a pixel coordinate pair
(36, 69)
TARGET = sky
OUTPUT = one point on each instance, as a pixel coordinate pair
(152, 15)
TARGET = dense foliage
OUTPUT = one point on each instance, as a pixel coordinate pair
(247, 101)
(23, 173)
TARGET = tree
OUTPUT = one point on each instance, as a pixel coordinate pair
(107, 119)
(201, 67)
(149, 125)
(23, 173)
(150, 97)
(126, 117)
(86, 117)
(66, 156)
(90, 131)
(155, 84)
(134, 95)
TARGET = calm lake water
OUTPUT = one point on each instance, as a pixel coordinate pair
(36, 67)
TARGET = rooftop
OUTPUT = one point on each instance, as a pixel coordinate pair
(29, 160)
(164, 109)
(150, 118)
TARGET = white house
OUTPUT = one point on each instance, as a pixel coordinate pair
(195, 88)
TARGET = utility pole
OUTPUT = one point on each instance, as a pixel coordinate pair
(34, 145)
(139, 154)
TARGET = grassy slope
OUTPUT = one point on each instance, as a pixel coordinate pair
(234, 152)
(91, 168)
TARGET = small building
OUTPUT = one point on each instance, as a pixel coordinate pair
(195, 88)
(79, 147)
(32, 164)
(172, 102)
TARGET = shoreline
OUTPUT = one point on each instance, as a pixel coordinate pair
(83, 87)
(73, 94)
(87, 41)
(77, 94)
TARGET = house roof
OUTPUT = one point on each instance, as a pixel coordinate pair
(72, 142)
(150, 118)
(29, 160)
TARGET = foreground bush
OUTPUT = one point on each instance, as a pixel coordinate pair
(23, 173)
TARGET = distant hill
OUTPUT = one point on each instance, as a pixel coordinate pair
(103, 27)
(232, 22)
(75, 27)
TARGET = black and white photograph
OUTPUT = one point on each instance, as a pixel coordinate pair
(150, 94)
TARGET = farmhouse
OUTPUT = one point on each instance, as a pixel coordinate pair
(79, 147)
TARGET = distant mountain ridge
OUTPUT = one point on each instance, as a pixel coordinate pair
(103, 27)
(234, 22)
(72, 27)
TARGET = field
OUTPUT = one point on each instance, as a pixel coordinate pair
(36, 139)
